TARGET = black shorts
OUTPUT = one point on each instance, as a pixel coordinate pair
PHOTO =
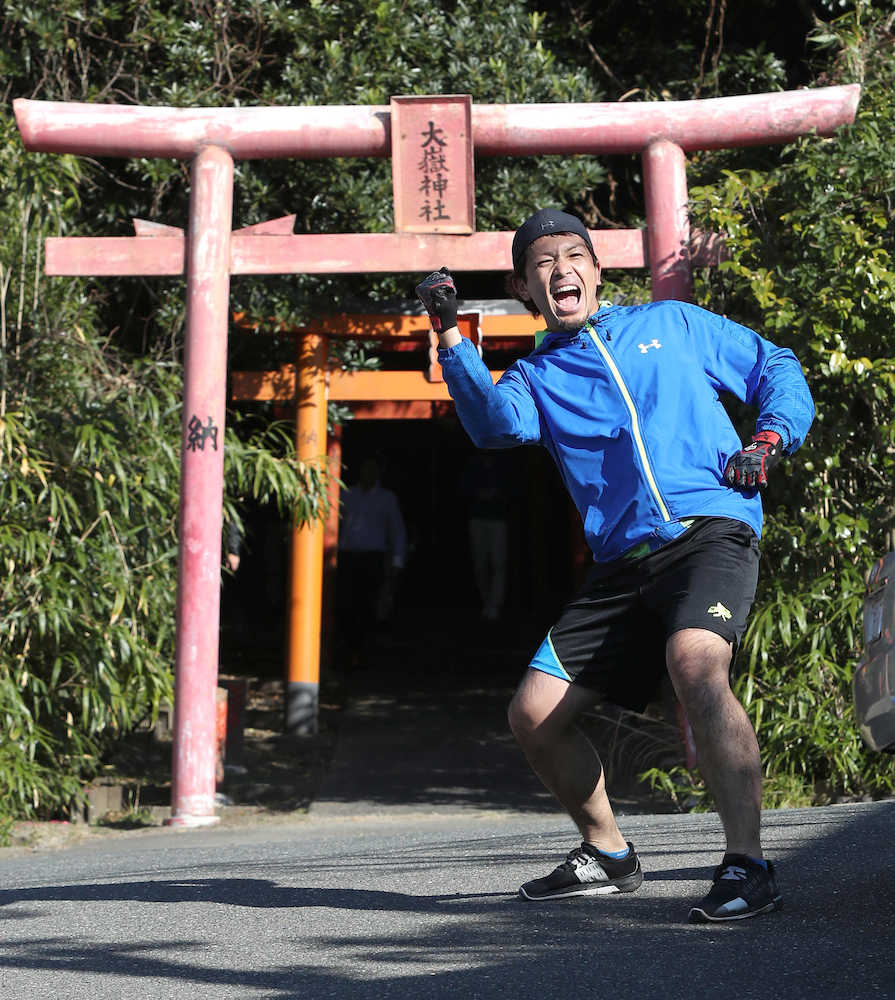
(612, 636)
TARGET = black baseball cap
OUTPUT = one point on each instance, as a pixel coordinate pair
(546, 222)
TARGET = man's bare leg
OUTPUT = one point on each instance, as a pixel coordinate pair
(543, 716)
(726, 747)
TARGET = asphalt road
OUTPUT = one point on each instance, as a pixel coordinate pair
(405, 904)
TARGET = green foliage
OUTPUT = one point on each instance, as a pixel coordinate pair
(799, 657)
(87, 538)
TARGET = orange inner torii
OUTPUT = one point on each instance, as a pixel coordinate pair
(310, 384)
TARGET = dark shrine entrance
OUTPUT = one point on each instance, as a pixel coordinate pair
(426, 463)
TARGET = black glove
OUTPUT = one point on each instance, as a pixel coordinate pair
(439, 295)
(750, 466)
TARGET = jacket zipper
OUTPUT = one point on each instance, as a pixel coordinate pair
(635, 421)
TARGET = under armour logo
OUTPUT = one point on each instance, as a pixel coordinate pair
(645, 347)
(719, 611)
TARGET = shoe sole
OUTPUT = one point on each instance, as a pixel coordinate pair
(698, 916)
(628, 884)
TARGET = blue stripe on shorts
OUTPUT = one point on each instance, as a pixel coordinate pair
(546, 660)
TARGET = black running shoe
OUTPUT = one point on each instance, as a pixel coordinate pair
(743, 888)
(587, 872)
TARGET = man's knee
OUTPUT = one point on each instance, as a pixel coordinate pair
(525, 716)
(544, 707)
(699, 665)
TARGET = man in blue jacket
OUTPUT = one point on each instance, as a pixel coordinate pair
(626, 401)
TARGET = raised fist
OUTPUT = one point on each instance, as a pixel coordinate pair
(438, 294)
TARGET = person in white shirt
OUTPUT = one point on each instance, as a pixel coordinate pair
(372, 550)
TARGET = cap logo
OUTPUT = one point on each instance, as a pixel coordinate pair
(550, 224)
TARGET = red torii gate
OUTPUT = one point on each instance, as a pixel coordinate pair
(212, 138)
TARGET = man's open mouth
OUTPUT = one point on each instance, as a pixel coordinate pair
(567, 298)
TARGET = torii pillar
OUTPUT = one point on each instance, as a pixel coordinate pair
(211, 138)
(202, 483)
(307, 549)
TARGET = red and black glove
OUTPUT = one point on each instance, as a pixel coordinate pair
(439, 295)
(749, 467)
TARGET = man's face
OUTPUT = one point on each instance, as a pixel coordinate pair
(561, 279)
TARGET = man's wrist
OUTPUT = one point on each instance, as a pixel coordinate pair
(449, 338)
(768, 436)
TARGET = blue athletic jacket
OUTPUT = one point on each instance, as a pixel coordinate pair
(628, 407)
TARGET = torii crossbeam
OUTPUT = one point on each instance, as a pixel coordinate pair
(212, 138)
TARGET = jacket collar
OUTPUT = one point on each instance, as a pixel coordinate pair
(546, 339)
